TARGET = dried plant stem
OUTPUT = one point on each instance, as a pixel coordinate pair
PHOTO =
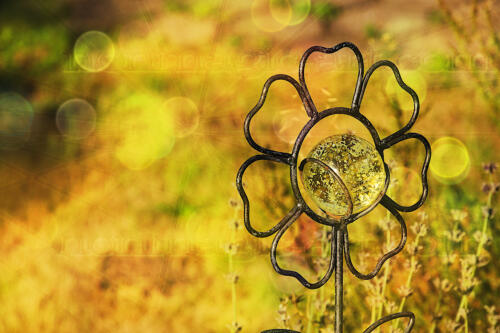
(373, 312)
(324, 254)
(233, 277)
(316, 305)
(309, 314)
(464, 301)
(378, 308)
(387, 270)
(413, 269)
(436, 311)
(233, 290)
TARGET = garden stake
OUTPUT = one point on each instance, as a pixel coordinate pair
(331, 175)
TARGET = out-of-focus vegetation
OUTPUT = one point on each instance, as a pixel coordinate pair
(121, 133)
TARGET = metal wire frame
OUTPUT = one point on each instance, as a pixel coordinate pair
(340, 236)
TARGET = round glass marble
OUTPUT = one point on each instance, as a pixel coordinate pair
(356, 162)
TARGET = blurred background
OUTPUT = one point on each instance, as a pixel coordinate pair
(121, 134)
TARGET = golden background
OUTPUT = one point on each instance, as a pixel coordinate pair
(121, 131)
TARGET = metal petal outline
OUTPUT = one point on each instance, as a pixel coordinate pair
(298, 276)
(423, 174)
(387, 255)
(329, 50)
(246, 202)
(260, 103)
(402, 84)
(390, 317)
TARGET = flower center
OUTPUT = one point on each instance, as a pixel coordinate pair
(353, 161)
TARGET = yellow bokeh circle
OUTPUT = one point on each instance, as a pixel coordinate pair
(146, 130)
(450, 162)
(94, 51)
(76, 118)
(271, 15)
(299, 11)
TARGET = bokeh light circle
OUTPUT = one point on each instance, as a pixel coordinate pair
(16, 117)
(450, 162)
(299, 11)
(146, 130)
(76, 118)
(185, 114)
(415, 80)
(271, 15)
(94, 51)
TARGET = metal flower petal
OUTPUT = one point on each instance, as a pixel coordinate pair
(330, 50)
(246, 203)
(387, 255)
(298, 276)
(423, 173)
(260, 103)
(402, 84)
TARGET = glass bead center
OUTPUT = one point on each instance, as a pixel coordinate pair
(358, 164)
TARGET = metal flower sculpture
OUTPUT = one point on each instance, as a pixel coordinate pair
(344, 175)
